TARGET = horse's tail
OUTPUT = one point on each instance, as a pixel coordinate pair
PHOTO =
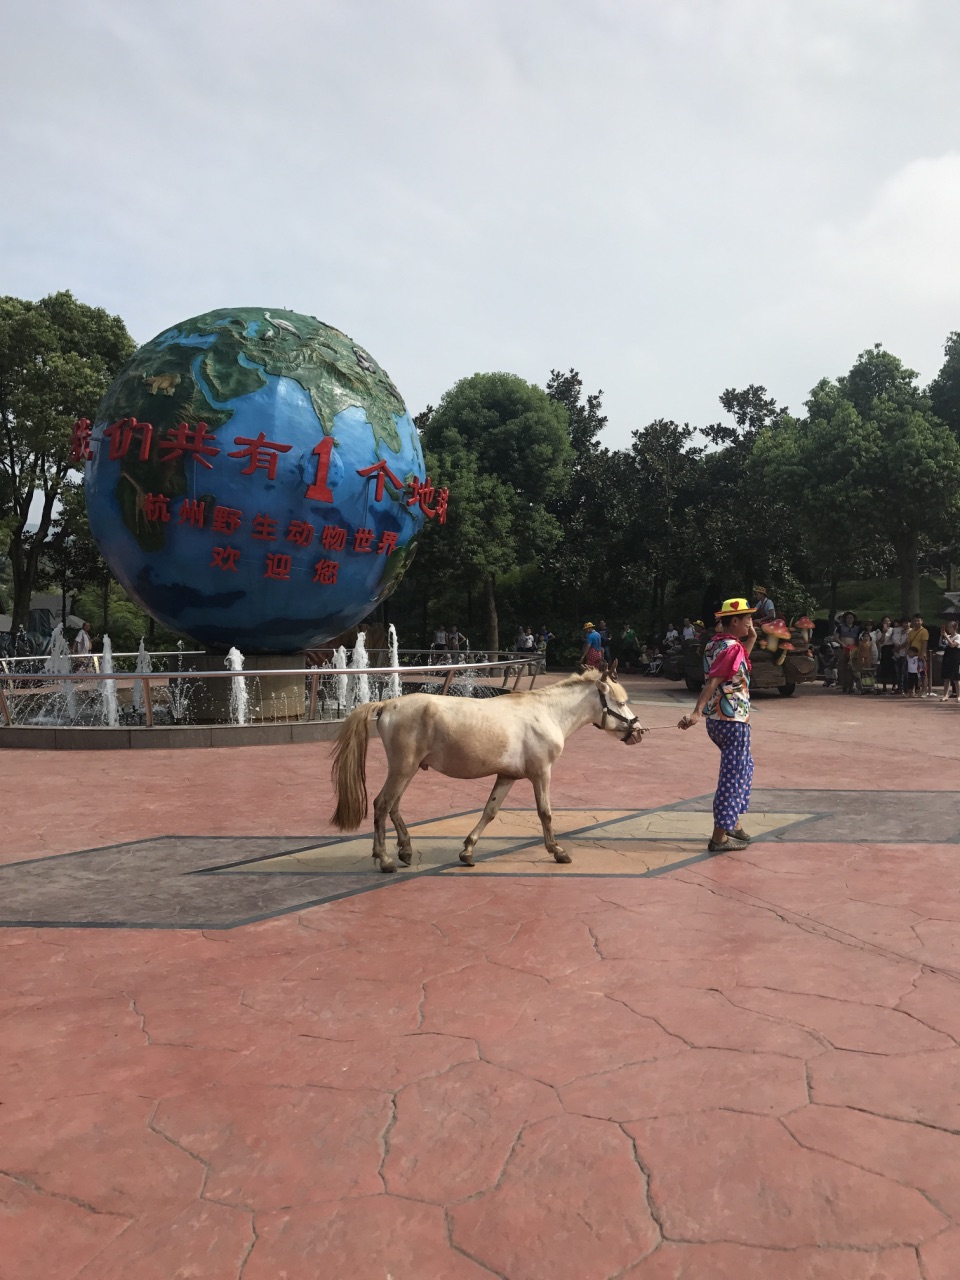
(349, 770)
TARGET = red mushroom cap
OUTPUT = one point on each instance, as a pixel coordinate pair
(777, 628)
(804, 622)
(787, 647)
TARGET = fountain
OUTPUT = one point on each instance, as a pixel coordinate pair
(393, 687)
(339, 662)
(466, 685)
(58, 662)
(239, 696)
(179, 693)
(360, 683)
(143, 667)
(110, 711)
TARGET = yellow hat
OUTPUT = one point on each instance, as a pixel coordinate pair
(588, 626)
(734, 606)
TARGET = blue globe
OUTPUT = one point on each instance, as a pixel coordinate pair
(253, 478)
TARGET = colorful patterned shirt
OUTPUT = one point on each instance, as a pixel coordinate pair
(725, 659)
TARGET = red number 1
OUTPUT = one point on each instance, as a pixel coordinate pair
(320, 491)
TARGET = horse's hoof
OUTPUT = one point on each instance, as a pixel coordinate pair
(467, 859)
(388, 866)
(405, 856)
(560, 856)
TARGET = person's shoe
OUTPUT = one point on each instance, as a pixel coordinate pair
(740, 834)
(729, 845)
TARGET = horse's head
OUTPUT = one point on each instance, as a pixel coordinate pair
(614, 713)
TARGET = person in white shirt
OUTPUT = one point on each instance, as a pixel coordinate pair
(884, 638)
(82, 644)
(671, 637)
(83, 647)
(900, 644)
(440, 638)
(689, 630)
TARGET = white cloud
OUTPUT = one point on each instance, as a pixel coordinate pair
(674, 197)
(906, 246)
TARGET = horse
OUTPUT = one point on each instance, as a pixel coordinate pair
(516, 735)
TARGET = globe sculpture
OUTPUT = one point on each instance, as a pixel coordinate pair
(253, 479)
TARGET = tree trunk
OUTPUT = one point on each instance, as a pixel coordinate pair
(908, 560)
(24, 565)
(22, 588)
(25, 559)
(951, 576)
(834, 588)
(493, 624)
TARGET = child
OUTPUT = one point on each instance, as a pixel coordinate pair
(916, 670)
(865, 662)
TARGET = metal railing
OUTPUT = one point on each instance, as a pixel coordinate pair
(515, 666)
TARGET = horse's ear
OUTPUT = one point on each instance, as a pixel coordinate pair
(603, 670)
(613, 668)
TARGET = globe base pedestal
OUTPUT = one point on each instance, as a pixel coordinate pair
(269, 698)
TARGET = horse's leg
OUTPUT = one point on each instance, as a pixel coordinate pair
(541, 789)
(497, 797)
(405, 848)
(388, 799)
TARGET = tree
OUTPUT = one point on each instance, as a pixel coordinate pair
(664, 468)
(584, 419)
(871, 458)
(944, 390)
(502, 446)
(71, 556)
(57, 357)
(588, 509)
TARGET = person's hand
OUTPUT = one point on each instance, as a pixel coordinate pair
(689, 721)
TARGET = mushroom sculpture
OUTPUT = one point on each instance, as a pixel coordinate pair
(785, 648)
(776, 632)
(805, 626)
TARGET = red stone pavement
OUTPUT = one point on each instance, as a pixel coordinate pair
(744, 1068)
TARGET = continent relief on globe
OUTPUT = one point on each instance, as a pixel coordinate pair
(253, 478)
(187, 375)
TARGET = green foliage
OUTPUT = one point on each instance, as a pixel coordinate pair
(57, 358)
(944, 391)
(872, 470)
(502, 446)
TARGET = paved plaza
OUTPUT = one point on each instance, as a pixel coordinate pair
(231, 1048)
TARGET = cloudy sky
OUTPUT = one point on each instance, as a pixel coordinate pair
(674, 196)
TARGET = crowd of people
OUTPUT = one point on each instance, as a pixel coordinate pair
(528, 641)
(855, 656)
(452, 640)
(890, 657)
(449, 640)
